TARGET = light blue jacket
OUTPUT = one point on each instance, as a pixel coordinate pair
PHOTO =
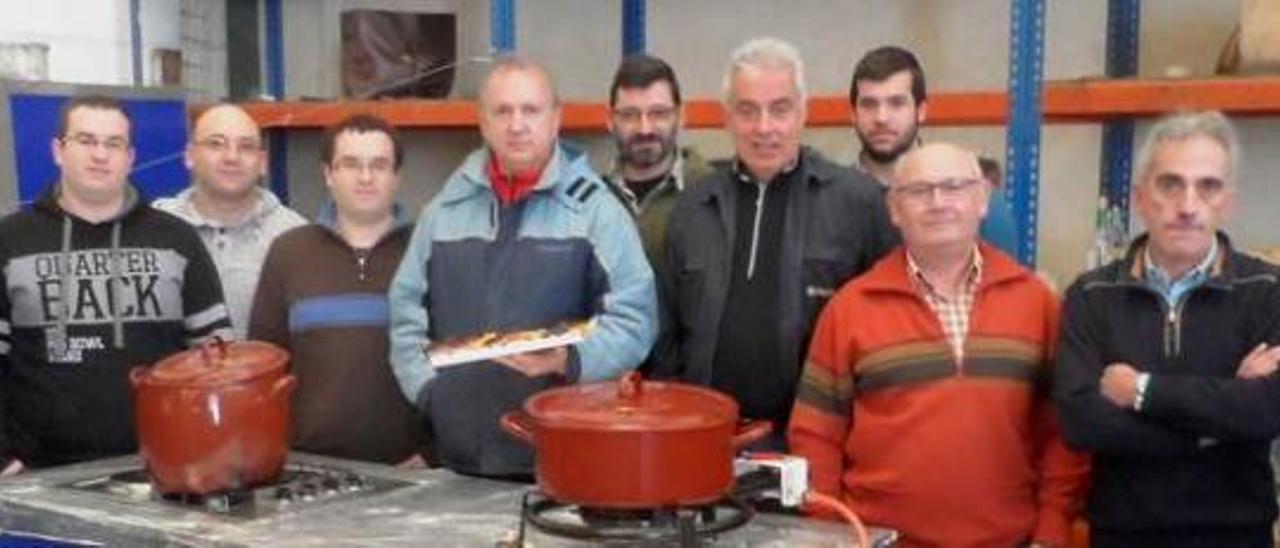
(569, 251)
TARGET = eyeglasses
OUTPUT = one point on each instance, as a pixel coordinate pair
(1174, 187)
(89, 140)
(949, 189)
(220, 145)
(376, 166)
(656, 115)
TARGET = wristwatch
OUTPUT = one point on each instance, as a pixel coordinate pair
(1140, 390)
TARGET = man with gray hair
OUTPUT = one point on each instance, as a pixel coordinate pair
(1168, 365)
(755, 250)
(523, 235)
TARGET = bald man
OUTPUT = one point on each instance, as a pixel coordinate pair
(924, 402)
(235, 217)
(523, 235)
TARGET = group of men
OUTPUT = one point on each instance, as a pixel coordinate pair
(933, 383)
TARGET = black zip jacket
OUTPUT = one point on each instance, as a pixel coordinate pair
(836, 227)
(1196, 456)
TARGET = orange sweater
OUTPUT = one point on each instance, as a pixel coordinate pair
(949, 454)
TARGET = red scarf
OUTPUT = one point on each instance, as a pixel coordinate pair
(511, 188)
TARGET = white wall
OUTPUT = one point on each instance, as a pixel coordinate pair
(89, 40)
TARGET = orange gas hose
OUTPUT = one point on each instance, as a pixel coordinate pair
(831, 503)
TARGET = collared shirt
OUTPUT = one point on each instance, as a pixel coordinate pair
(1174, 290)
(952, 313)
(237, 250)
(744, 174)
(674, 178)
(511, 187)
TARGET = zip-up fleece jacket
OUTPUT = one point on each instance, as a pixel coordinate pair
(84, 303)
(836, 227)
(1195, 456)
(568, 251)
(326, 303)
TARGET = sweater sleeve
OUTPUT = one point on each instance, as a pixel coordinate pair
(409, 320)
(1090, 421)
(821, 418)
(269, 318)
(204, 309)
(1063, 473)
(1228, 409)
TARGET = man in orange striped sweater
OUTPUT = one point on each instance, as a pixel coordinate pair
(924, 403)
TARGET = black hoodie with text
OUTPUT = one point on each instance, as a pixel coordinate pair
(82, 304)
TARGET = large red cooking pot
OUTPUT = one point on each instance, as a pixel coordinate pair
(214, 418)
(633, 443)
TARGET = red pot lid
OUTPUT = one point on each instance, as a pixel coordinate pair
(218, 363)
(632, 404)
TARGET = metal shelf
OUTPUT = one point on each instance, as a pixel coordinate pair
(1065, 101)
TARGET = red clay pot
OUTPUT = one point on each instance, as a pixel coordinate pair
(633, 444)
(215, 418)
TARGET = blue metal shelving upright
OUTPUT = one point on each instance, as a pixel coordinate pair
(1026, 74)
(633, 27)
(1117, 135)
(502, 26)
(277, 142)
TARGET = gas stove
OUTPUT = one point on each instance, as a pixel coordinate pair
(302, 484)
(316, 504)
(684, 526)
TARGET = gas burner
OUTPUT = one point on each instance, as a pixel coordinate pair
(685, 526)
(300, 485)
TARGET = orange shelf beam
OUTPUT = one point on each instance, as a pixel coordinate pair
(1065, 101)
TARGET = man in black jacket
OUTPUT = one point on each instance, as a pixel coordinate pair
(757, 248)
(1167, 371)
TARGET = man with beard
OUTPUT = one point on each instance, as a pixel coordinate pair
(888, 100)
(650, 171)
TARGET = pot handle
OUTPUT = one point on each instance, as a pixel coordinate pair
(751, 432)
(284, 386)
(221, 344)
(630, 385)
(136, 374)
(518, 424)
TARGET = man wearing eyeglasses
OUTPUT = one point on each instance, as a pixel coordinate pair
(755, 250)
(1168, 369)
(234, 215)
(93, 282)
(650, 170)
(923, 402)
(523, 235)
(323, 296)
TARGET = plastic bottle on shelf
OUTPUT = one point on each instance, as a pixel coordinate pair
(1100, 251)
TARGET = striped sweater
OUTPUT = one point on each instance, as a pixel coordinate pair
(947, 453)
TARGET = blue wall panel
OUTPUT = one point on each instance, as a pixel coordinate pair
(159, 137)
